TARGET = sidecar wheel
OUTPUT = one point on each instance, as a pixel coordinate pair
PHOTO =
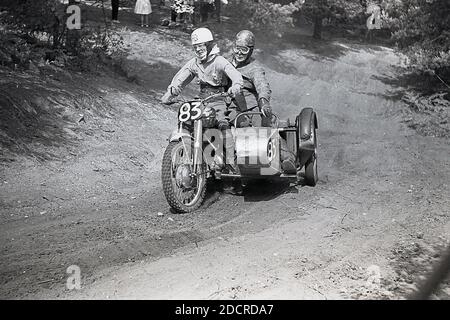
(180, 198)
(311, 173)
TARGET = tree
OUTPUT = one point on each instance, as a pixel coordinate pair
(276, 15)
(73, 35)
(45, 32)
(265, 15)
(317, 10)
(421, 28)
(38, 16)
(335, 11)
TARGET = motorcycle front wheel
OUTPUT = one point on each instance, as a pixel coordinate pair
(183, 188)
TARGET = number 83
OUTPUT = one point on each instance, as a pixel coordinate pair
(190, 111)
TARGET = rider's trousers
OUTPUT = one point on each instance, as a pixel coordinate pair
(223, 118)
(227, 136)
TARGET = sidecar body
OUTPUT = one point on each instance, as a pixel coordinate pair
(260, 151)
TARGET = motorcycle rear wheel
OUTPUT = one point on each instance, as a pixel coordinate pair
(181, 199)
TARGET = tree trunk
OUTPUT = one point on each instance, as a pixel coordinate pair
(317, 34)
(56, 32)
(72, 35)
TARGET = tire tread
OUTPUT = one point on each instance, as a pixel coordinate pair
(166, 177)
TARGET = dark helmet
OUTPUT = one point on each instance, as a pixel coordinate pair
(245, 38)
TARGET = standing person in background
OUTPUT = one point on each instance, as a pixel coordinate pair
(184, 9)
(173, 12)
(115, 10)
(217, 7)
(143, 8)
(204, 6)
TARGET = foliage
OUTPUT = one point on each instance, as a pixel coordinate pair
(38, 16)
(95, 45)
(428, 113)
(342, 13)
(422, 29)
(264, 15)
(37, 31)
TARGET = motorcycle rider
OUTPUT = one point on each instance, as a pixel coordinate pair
(214, 73)
(256, 84)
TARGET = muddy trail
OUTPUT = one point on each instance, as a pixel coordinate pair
(381, 206)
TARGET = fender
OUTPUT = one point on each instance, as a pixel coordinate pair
(178, 134)
(306, 122)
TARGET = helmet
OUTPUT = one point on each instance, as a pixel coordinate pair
(245, 38)
(201, 35)
(243, 46)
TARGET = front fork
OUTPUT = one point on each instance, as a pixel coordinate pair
(198, 144)
(194, 155)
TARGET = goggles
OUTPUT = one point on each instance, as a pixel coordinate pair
(241, 50)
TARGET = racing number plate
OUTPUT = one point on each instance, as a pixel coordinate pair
(190, 111)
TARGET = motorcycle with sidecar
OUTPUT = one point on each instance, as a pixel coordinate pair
(195, 152)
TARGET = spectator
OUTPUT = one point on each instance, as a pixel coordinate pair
(217, 7)
(183, 8)
(115, 10)
(143, 8)
(204, 7)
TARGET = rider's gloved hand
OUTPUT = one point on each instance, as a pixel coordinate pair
(235, 90)
(167, 97)
(265, 107)
(175, 91)
(223, 125)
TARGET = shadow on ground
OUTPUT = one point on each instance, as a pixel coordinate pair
(426, 99)
(266, 190)
(404, 80)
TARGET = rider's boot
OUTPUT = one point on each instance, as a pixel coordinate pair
(288, 166)
(233, 169)
(237, 187)
(287, 159)
(233, 187)
(231, 163)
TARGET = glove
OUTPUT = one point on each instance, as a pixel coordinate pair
(265, 107)
(235, 90)
(175, 91)
(223, 125)
(244, 121)
(166, 98)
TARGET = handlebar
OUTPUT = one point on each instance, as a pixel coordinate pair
(213, 96)
(216, 95)
(253, 113)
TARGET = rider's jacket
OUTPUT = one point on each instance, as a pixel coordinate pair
(216, 72)
(255, 80)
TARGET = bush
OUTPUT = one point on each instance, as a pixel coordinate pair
(422, 29)
(264, 15)
(36, 17)
(37, 31)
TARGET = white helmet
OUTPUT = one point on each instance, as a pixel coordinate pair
(201, 35)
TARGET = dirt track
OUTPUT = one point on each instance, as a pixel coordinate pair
(382, 189)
